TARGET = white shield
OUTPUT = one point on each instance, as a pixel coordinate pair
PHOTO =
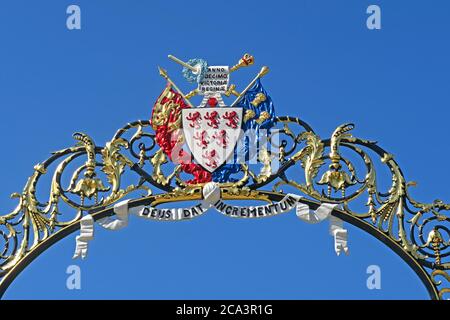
(211, 134)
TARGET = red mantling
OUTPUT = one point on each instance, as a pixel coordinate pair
(167, 134)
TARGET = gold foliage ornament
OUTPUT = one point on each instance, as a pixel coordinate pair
(340, 170)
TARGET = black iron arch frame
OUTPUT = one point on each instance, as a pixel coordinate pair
(419, 233)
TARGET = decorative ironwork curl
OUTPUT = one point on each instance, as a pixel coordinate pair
(419, 232)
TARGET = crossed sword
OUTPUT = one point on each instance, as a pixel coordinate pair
(231, 90)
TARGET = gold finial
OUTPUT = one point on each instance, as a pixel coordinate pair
(264, 70)
(246, 60)
(435, 240)
(163, 72)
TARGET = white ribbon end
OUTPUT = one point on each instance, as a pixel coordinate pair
(340, 240)
(86, 234)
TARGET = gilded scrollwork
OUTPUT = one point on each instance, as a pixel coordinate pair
(342, 170)
(421, 229)
(157, 160)
(32, 221)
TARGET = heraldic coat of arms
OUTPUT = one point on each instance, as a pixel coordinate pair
(213, 129)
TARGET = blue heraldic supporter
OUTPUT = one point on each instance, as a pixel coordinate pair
(259, 114)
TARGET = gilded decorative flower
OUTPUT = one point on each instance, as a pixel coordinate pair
(336, 179)
(87, 187)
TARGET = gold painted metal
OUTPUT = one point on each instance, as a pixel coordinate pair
(231, 91)
(435, 240)
(157, 160)
(162, 111)
(259, 98)
(193, 93)
(263, 117)
(163, 73)
(446, 276)
(343, 170)
(334, 177)
(245, 61)
(266, 171)
(264, 70)
(249, 114)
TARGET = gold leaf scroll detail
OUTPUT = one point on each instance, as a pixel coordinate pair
(311, 157)
(162, 111)
(114, 164)
(439, 282)
(266, 158)
(158, 159)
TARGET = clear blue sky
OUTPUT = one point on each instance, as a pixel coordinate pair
(326, 67)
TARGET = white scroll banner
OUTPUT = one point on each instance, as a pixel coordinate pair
(339, 234)
(288, 203)
(212, 199)
(336, 224)
(121, 216)
(211, 194)
(86, 234)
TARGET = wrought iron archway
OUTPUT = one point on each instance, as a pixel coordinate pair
(417, 232)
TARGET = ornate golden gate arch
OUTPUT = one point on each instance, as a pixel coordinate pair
(417, 232)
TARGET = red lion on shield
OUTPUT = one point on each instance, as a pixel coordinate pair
(213, 119)
(233, 119)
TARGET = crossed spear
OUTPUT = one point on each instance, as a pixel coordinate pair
(246, 60)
